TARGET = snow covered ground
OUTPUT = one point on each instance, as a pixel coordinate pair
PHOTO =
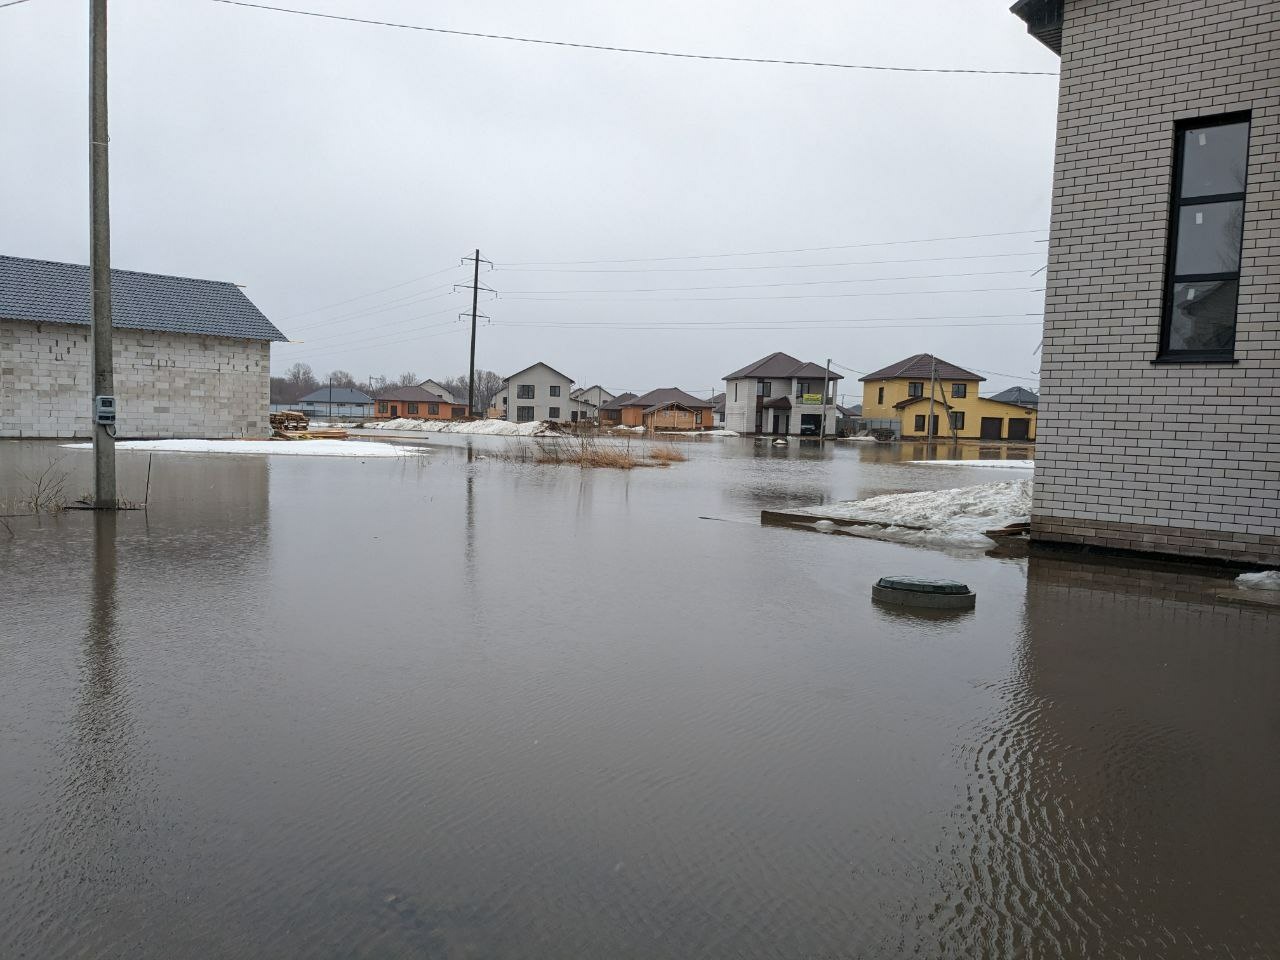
(1266, 580)
(955, 517)
(992, 464)
(693, 433)
(365, 449)
(492, 428)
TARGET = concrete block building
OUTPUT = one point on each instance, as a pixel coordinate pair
(780, 395)
(538, 392)
(1159, 430)
(192, 357)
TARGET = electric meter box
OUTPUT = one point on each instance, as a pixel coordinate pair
(104, 410)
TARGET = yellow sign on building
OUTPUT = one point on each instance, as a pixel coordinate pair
(812, 398)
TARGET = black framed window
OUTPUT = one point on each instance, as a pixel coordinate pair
(555, 390)
(764, 388)
(524, 391)
(433, 409)
(1206, 230)
(524, 414)
(880, 395)
(959, 390)
(919, 423)
(957, 419)
(411, 408)
(915, 388)
(553, 413)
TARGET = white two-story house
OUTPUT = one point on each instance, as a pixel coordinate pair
(780, 395)
(538, 392)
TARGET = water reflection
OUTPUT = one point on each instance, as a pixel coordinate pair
(1104, 798)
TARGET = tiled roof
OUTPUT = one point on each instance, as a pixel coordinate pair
(781, 366)
(665, 397)
(411, 394)
(618, 402)
(920, 367)
(339, 395)
(42, 291)
(532, 365)
(1020, 396)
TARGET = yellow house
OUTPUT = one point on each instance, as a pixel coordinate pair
(897, 398)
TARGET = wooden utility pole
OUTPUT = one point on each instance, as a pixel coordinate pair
(104, 445)
(826, 380)
(933, 381)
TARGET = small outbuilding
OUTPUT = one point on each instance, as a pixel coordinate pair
(192, 357)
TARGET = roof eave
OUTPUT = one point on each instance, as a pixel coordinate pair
(1043, 19)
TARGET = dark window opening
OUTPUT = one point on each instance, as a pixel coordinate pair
(524, 391)
(457, 412)
(382, 407)
(764, 388)
(411, 408)
(524, 414)
(433, 409)
(880, 396)
(957, 419)
(959, 390)
(920, 423)
(1206, 231)
(553, 413)
(555, 389)
(915, 388)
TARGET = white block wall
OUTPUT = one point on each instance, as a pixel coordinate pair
(167, 384)
(1181, 458)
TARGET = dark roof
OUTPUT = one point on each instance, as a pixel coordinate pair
(42, 291)
(532, 365)
(781, 365)
(411, 394)
(854, 411)
(618, 402)
(667, 396)
(902, 404)
(1020, 396)
(1043, 19)
(779, 403)
(718, 401)
(920, 367)
(339, 395)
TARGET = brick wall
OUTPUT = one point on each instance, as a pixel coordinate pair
(1181, 458)
(168, 384)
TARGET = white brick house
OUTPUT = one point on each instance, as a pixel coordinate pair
(780, 395)
(192, 357)
(538, 392)
(1159, 429)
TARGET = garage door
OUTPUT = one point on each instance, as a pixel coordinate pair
(991, 428)
(1019, 429)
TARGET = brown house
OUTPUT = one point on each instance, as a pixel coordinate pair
(417, 404)
(667, 408)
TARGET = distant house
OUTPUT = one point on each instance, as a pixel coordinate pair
(611, 412)
(434, 386)
(588, 401)
(417, 404)
(335, 402)
(192, 357)
(924, 397)
(538, 392)
(717, 408)
(1019, 396)
(780, 395)
(667, 408)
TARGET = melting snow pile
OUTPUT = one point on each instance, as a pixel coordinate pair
(952, 517)
(694, 433)
(1001, 464)
(493, 428)
(1266, 580)
(365, 449)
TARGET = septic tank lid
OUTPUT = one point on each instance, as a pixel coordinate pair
(922, 585)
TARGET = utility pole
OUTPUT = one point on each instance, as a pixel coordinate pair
(475, 303)
(331, 398)
(826, 380)
(933, 380)
(104, 444)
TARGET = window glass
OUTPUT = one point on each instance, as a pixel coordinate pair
(959, 389)
(915, 389)
(412, 408)
(1209, 238)
(555, 390)
(553, 413)
(920, 421)
(1204, 316)
(524, 391)
(524, 414)
(1214, 160)
(433, 409)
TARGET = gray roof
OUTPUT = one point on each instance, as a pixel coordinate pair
(921, 367)
(339, 395)
(1043, 19)
(1018, 395)
(781, 366)
(412, 394)
(618, 402)
(42, 291)
(532, 365)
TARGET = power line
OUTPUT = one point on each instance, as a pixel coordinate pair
(757, 324)
(413, 300)
(781, 283)
(851, 325)
(766, 253)
(772, 266)
(12, 3)
(636, 50)
(786, 296)
(371, 293)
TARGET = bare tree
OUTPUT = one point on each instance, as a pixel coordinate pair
(340, 378)
(408, 380)
(302, 380)
(488, 386)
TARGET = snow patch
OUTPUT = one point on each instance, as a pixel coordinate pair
(492, 428)
(1266, 580)
(693, 433)
(365, 449)
(984, 464)
(947, 517)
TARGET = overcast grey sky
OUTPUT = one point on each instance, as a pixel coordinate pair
(316, 161)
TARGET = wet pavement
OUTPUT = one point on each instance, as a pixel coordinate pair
(452, 706)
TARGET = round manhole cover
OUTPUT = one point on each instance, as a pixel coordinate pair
(923, 585)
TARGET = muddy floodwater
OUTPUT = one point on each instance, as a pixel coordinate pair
(450, 706)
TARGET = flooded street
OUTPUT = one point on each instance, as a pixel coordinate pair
(450, 706)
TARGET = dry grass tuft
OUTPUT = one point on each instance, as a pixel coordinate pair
(667, 454)
(587, 451)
